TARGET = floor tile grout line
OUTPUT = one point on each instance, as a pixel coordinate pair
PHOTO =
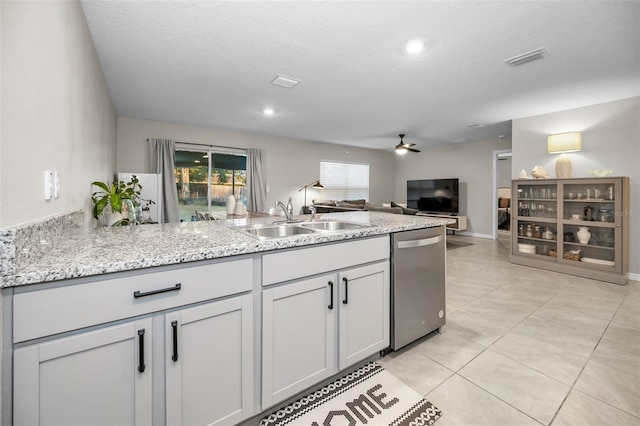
(570, 388)
(566, 288)
(580, 374)
(498, 398)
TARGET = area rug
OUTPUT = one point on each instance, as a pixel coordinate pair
(370, 395)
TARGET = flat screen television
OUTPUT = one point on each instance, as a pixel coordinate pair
(433, 195)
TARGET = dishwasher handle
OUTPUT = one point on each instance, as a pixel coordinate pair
(420, 243)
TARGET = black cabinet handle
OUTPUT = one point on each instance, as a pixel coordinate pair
(141, 366)
(331, 295)
(138, 293)
(346, 290)
(174, 326)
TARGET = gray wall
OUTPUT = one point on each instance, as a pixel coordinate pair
(290, 163)
(503, 174)
(56, 111)
(610, 140)
(472, 163)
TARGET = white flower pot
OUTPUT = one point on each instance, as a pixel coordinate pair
(112, 218)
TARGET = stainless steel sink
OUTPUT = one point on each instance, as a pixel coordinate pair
(332, 225)
(275, 231)
(280, 230)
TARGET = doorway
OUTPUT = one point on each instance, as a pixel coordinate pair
(501, 192)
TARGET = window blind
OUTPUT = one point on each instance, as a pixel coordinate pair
(344, 181)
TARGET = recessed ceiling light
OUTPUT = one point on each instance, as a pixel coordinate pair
(196, 161)
(414, 46)
(268, 111)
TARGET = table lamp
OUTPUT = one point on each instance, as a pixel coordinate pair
(315, 184)
(563, 143)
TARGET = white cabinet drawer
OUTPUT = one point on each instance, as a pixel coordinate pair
(297, 263)
(46, 312)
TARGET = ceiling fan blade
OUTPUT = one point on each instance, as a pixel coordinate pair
(405, 146)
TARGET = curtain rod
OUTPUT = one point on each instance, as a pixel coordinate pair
(210, 146)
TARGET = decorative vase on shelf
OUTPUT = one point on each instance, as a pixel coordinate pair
(583, 235)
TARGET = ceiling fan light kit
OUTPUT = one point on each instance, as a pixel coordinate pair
(402, 148)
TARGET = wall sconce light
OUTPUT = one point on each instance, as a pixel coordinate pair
(315, 184)
(563, 143)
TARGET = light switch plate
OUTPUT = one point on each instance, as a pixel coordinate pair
(48, 185)
(56, 185)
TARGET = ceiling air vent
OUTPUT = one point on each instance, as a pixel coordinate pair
(523, 58)
(476, 126)
(282, 81)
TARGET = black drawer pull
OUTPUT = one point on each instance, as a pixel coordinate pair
(331, 295)
(346, 290)
(138, 293)
(141, 366)
(174, 326)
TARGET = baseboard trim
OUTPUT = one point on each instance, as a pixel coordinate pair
(474, 234)
(634, 277)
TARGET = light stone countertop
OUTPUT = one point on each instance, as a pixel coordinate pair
(88, 252)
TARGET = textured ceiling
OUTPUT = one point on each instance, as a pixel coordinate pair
(210, 63)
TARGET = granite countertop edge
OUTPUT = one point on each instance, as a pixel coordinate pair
(91, 252)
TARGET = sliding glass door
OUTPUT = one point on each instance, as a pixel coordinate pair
(205, 179)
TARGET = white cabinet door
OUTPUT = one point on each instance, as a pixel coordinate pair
(96, 377)
(364, 312)
(209, 363)
(298, 336)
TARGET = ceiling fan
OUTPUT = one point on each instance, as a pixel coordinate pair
(402, 147)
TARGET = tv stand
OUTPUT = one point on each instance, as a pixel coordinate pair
(460, 221)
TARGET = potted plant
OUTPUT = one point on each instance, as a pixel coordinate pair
(117, 196)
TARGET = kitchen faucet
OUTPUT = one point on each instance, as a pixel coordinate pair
(285, 209)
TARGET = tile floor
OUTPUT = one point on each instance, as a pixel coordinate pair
(527, 347)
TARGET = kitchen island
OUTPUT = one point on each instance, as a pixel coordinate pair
(192, 323)
(87, 252)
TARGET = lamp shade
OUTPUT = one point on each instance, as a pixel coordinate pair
(564, 142)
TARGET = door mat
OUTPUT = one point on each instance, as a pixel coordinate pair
(370, 395)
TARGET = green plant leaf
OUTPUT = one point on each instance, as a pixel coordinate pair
(116, 203)
(101, 185)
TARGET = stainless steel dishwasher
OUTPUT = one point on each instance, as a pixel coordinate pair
(418, 270)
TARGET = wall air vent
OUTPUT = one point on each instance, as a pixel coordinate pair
(523, 58)
(282, 81)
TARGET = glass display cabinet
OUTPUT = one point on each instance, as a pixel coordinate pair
(577, 226)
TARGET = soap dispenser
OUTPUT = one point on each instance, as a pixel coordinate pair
(290, 207)
(231, 204)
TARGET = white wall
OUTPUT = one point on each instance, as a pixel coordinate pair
(610, 140)
(290, 163)
(471, 163)
(56, 111)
